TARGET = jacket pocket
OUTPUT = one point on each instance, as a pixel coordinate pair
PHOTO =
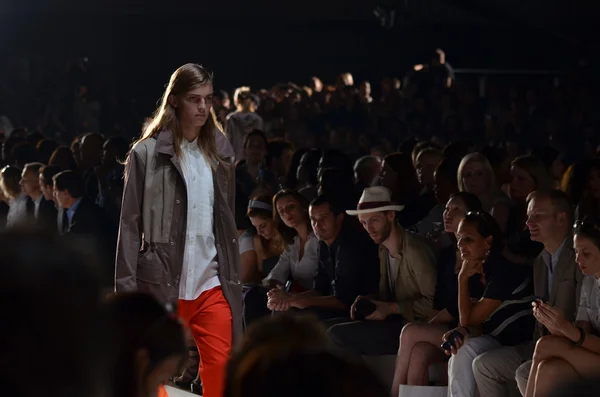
(149, 269)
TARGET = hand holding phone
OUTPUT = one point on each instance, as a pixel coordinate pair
(449, 344)
(536, 300)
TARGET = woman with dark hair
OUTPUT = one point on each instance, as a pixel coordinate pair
(267, 246)
(571, 351)
(398, 174)
(502, 315)
(420, 343)
(267, 242)
(151, 345)
(299, 261)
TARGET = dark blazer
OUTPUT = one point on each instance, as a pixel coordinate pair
(90, 224)
(47, 215)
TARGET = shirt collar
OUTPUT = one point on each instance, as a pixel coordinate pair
(554, 257)
(73, 208)
(193, 145)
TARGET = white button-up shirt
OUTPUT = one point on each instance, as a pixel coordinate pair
(200, 269)
(303, 270)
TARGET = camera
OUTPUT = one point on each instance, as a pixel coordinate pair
(364, 308)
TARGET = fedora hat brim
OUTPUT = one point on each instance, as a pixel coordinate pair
(378, 209)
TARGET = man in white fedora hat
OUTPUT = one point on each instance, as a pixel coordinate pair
(407, 280)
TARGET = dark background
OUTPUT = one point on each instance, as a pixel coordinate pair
(137, 44)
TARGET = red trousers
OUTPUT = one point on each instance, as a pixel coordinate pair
(209, 320)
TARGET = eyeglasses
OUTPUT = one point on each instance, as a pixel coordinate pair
(578, 225)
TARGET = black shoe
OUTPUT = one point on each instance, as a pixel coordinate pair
(182, 384)
(196, 387)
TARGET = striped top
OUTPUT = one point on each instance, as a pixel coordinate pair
(512, 322)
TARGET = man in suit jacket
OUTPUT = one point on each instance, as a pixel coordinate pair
(41, 211)
(557, 280)
(84, 219)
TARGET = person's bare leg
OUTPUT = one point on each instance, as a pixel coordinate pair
(584, 362)
(423, 354)
(412, 334)
(551, 373)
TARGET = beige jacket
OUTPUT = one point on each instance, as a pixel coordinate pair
(152, 228)
(416, 279)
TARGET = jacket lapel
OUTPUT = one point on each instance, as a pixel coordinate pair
(565, 257)
(540, 276)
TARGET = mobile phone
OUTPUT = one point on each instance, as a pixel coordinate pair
(449, 344)
(537, 299)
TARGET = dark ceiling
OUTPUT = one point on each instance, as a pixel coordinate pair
(538, 12)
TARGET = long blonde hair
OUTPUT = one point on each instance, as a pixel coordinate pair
(477, 158)
(186, 78)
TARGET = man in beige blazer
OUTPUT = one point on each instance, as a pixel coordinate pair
(407, 280)
(556, 279)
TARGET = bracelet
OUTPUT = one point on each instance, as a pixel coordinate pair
(581, 337)
(468, 333)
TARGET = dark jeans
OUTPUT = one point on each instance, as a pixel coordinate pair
(368, 338)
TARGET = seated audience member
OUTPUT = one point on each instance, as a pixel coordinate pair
(475, 175)
(366, 172)
(528, 174)
(298, 263)
(444, 186)
(399, 176)
(266, 244)
(571, 351)
(406, 284)
(556, 280)
(420, 343)
(17, 200)
(42, 211)
(426, 162)
(83, 218)
(150, 345)
(47, 172)
(57, 319)
(251, 173)
(291, 356)
(502, 317)
(348, 266)
(306, 174)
